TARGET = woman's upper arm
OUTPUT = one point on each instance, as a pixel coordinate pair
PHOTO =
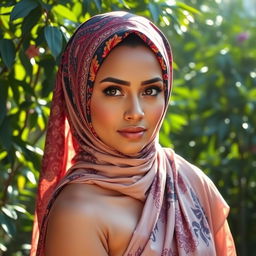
(73, 230)
(224, 241)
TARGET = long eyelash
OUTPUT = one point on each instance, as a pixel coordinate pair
(158, 88)
(110, 88)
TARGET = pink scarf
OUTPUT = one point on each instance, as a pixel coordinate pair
(173, 221)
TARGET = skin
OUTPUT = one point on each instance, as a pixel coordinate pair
(128, 93)
(76, 224)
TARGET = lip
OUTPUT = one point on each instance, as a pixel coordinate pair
(132, 132)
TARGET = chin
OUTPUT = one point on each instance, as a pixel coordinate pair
(132, 151)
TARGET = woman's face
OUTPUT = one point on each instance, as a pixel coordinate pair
(128, 98)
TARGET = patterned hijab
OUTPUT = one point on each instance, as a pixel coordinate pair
(74, 153)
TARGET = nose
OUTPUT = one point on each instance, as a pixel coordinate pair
(134, 110)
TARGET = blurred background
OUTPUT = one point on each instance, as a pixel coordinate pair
(211, 119)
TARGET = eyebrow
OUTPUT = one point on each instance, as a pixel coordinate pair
(115, 80)
(123, 82)
(151, 81)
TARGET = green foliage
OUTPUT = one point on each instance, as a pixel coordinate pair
(210, 120)
(53, 38)
(7, 51)
(214, 99)
(22, 9)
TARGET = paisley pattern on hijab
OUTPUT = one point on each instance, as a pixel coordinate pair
(177, 218)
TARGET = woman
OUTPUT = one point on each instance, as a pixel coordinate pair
(123, 193)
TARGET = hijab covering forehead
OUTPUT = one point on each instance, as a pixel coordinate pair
(166, 224)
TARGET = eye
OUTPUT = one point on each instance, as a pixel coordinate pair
(112, 91)
(152, 91)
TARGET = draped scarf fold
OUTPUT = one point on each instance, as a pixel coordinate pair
(173, 221)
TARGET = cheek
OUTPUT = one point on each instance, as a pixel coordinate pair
(102, 115)
(156, 113)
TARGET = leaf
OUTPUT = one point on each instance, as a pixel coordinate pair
(14, 85)
(3, 247)
(174, 19)
(46, 7)
(31, 20)
(40, 39)
(98, 4)
(7, 225)
(7, 50)
(48, 65)
(6, 133)
(26, 63)
(3, 99)
(32, 120)
(165, 140)
(30, 153)
(187, 8)
(22, 9)
(21, 181)
(48, 85)
(124, 4)
(10, 212)
(65, 12)
(54, 39)
(177, 121)
(31, 177)
(154, 10)
(41, 122)
(19, 209)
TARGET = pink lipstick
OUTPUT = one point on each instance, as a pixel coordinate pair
(132, 132)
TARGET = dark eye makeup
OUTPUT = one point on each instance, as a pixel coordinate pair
(112, 91)
(152, 90)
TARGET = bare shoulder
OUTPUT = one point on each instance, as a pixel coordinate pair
(78, 198)
(91, 220)
(74, 226)
(81, 201)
